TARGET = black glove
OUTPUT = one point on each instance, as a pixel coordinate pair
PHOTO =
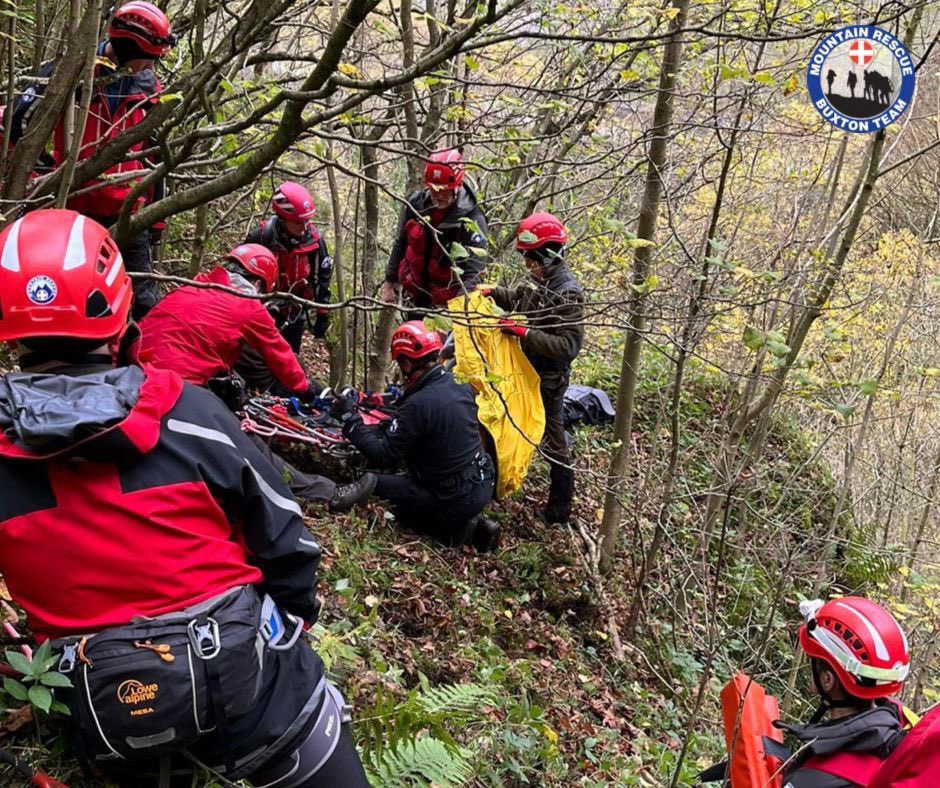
(343, 409)
(312, 392)
(321, 324)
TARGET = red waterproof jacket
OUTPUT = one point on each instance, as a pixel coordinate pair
(199, 333)
(127, 492)
(119, 103)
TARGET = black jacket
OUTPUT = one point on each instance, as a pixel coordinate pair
(434, 434)
(876, 731)
(143, 497)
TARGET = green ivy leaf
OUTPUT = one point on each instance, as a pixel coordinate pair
(844, 409)
(458, 251)
(53, 679)
(40, 697)
(15, 690)
(868, 387)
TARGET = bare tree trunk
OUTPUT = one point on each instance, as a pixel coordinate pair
(74, 126)
(378, 352)
(39, 39)
(646, 230)
(56, 97)
(339, 351)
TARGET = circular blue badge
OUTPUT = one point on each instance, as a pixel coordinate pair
(41, 290)
(861, 78)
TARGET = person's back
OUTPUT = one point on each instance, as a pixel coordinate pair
(142, 531)
(859, 657)
(868, 737)
(202, 332)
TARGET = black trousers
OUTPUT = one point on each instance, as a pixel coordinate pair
(293, 333)
(306, 486)
(443, 514)
(555, 446)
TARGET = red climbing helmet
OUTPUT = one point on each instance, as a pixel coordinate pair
(61, 275)
(412, 340)
(144, 24)
(539, 229)
(293, 202)
(860, 641)
(257, 261)
(444, 170)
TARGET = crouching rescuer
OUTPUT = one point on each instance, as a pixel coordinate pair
(435, 435)
(176, 576)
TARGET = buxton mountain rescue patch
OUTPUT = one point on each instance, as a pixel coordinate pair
(41, 290)
(861, 78)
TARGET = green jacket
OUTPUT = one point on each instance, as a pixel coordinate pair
(554, 311)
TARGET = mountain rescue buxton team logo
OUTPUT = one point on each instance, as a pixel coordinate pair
(41, 290)
(861, 78)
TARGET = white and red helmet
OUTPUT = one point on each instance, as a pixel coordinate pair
(258, 261)
(444, 170)
(413, 340)
(144, 24)
(293, 202)
(61, 275)
(862, 643)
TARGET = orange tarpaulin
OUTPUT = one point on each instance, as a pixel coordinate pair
(748, 713)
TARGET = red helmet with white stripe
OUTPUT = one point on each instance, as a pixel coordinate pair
(862, 643)
(444, 170)
(293, 202)
(412, 340)
(61, 275)
(144, 24)
(258, 261)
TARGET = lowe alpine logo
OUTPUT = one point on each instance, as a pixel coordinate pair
(41, 290)
(132, 692)
(861, 78)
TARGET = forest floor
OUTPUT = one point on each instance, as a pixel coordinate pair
(497, 669)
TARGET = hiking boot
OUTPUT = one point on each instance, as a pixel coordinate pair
(554, 514)
(348, 495)
(485, 536)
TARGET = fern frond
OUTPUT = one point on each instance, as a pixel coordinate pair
(456, 699)
(424, 761)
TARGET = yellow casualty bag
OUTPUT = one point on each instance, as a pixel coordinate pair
(509, 402)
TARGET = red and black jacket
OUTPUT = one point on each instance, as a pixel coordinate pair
(128, 492)
(421, 258)
(200, 333)
(304, 265)
(845, 752)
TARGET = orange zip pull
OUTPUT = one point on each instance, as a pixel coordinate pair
(162, 650)
(81, 652)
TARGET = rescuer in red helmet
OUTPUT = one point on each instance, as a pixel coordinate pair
(304, 263)
(859, 657)
(125, 90)
(176, 569)
(435, 436)
(551, 337)
(441, 249)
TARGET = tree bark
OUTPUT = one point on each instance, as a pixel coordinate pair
(636, 321)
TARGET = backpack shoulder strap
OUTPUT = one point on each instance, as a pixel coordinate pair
(856, 767)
